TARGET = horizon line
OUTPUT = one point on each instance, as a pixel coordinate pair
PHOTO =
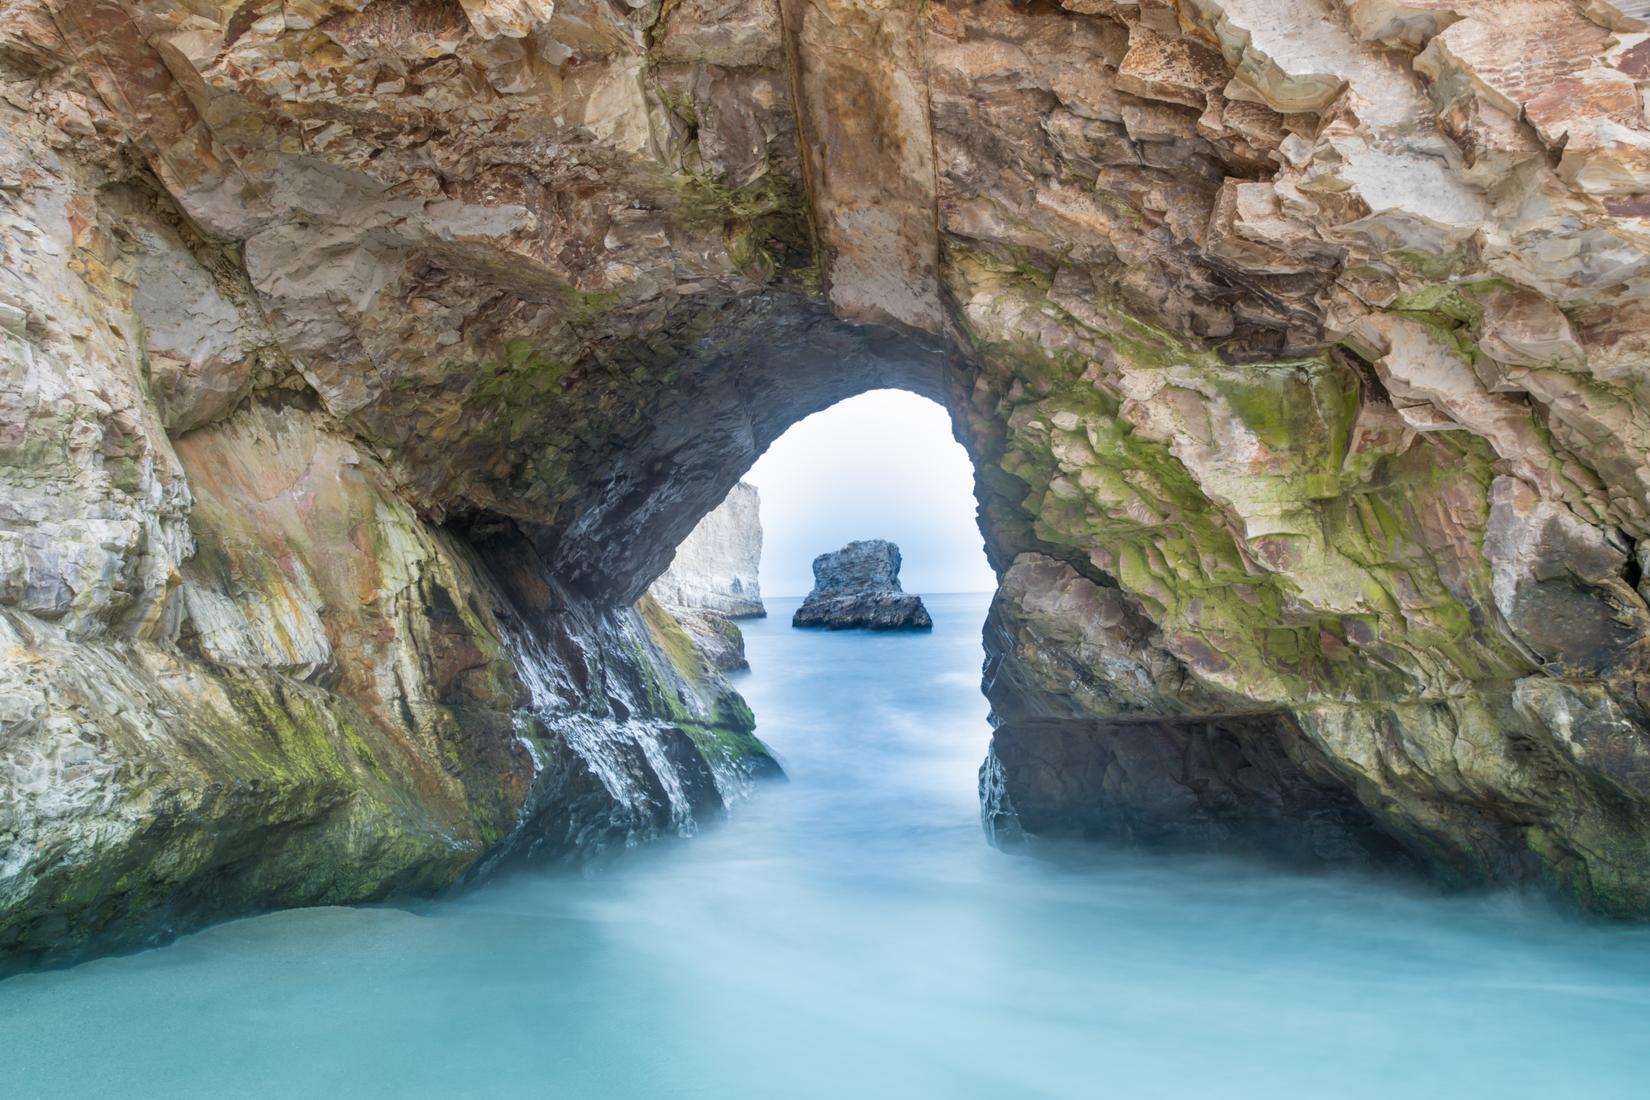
(957, 592)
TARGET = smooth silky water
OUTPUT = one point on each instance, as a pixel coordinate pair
(851, 934)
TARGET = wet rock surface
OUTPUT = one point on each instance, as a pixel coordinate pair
(717, 636)
(1239, 784)
(858, 586)
(351, 705)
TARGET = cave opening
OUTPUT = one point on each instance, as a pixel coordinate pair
(896, 733)
(876, 483)
(1055, 652)
(881, 465)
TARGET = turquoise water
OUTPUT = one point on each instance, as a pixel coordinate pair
(850, 934)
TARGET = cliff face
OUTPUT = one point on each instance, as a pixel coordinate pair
(363, 363)
(339, 703)
(713, 579)
(717, 567)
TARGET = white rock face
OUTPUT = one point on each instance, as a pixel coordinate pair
(715, 568)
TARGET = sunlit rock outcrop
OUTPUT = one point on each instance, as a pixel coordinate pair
(364, 363)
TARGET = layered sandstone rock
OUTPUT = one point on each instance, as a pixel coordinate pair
(363, 363)
(858, 586)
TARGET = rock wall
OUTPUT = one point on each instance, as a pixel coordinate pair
(363, 362)
(239, 670)
(717, 567)
(1317, 422)
(342, 703)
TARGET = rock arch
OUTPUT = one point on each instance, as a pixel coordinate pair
(364, 361)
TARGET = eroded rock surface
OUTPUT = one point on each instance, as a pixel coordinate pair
(858, 586)
(362, 363)
(345, 704)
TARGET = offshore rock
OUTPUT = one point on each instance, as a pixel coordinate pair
(858, 586)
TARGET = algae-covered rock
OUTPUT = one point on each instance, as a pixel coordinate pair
(352, 705)
(717, 637)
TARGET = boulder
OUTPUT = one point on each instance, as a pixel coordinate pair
(717, 637)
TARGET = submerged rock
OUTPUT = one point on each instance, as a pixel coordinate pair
(859, 586)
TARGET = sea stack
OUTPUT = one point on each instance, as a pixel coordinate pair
(859, 586)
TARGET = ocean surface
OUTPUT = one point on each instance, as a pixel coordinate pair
(850, 935)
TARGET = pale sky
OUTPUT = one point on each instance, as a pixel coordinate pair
(880, 465)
